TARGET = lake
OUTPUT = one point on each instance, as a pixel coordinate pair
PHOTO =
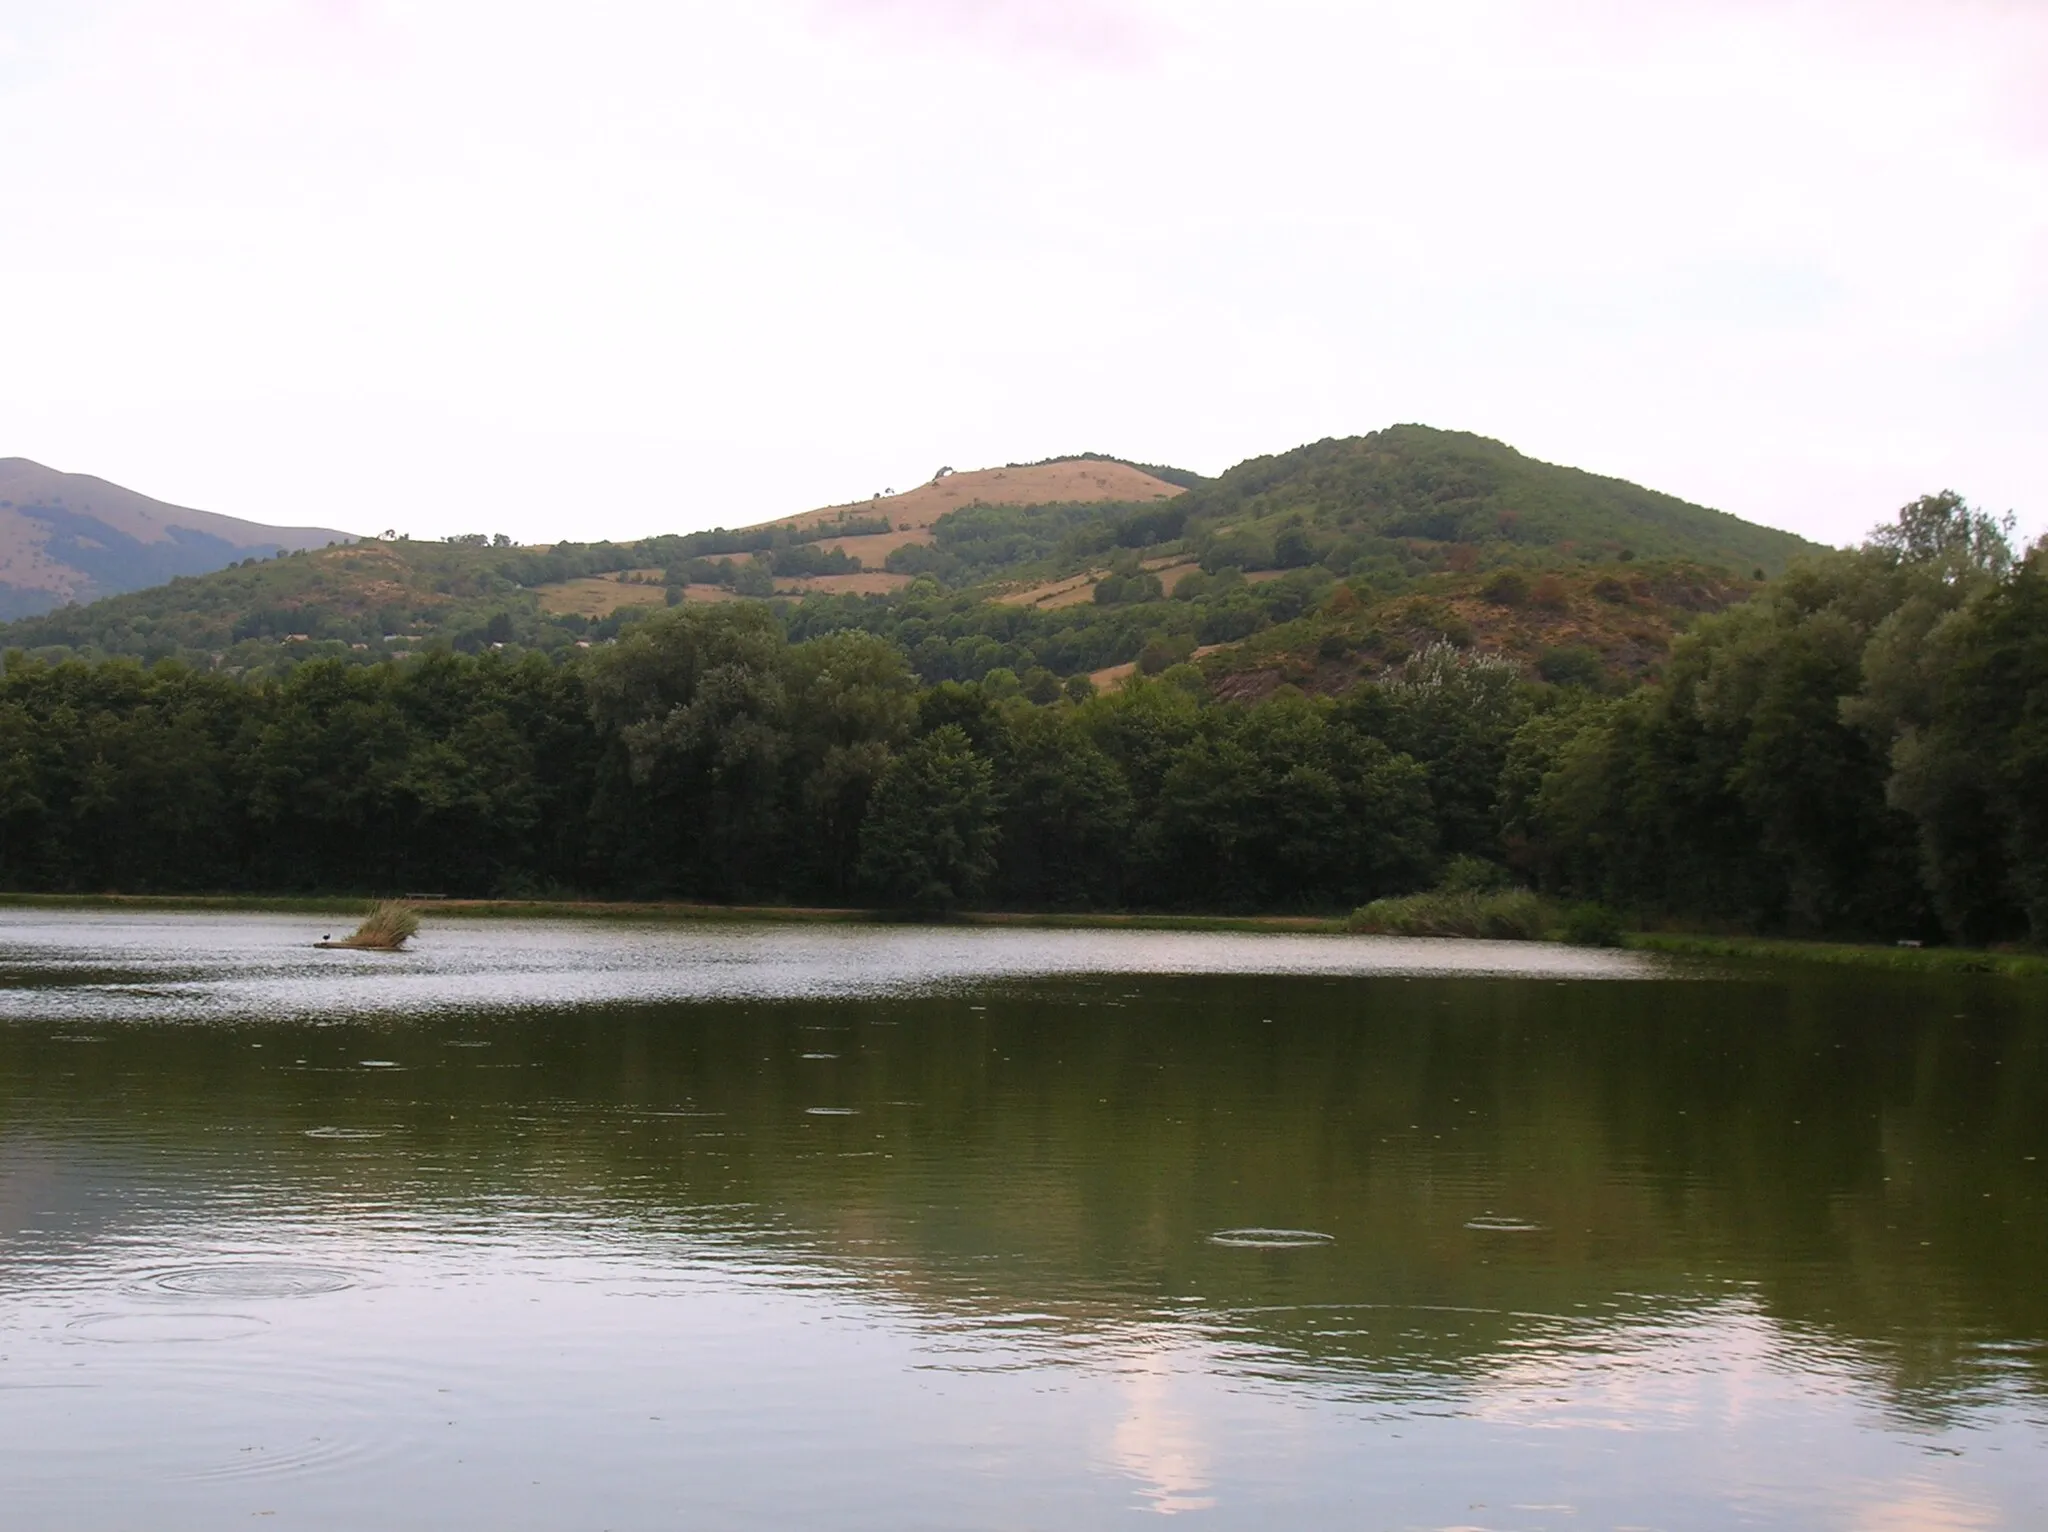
(618, 1226)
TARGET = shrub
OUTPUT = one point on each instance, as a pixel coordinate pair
(1164, 651)
(1475, 875)
(1507, 587)
(1611, 590)
(1549, 592)
(1592, 925)
(1294, 548)
(1572, 665)
(1041, 685)
(1504, 915)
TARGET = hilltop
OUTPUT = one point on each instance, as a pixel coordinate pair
(68, 537)
(1452, 487)
(1311, 566)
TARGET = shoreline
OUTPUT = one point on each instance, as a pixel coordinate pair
(1758, 949)
(676, 910)
(1903, 960)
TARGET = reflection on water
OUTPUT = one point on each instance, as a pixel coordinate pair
(565, 1226)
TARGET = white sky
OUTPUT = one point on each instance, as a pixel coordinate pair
(625, 266)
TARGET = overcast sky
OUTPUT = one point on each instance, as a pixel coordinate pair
(625, 266)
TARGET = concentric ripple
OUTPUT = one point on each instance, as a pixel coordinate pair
(175, 1328)
(1272, 1239)
(247, 1279)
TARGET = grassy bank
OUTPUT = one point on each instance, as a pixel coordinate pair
(1924, 960)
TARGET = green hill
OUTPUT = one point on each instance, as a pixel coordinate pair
(1414, 483)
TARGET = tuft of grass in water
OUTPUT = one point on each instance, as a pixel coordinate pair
(390, 926)
(1512, 914)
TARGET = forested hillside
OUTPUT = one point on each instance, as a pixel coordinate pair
(1859, 749)
(1452, 487)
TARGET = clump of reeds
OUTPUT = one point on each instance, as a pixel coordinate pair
(1506, 915)
(390, 926)
(1474, 897)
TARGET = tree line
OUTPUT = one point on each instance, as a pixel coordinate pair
(1861, 750)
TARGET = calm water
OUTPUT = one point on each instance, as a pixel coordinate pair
(577, 1226)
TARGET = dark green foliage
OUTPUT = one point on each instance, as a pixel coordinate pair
(1120, 589)
(804, 559)
(1510, 915)
(1509, 587)
(1457, 714)
(956, 637)
(1857, 751)
(1592, 925)
(1286, 802)
(1453, 487)
(705, 755)
(929, 839)
(1571, 665)
(1066, 814)
(978, 542)
(1971, 758)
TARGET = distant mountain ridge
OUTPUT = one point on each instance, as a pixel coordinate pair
(68, 537)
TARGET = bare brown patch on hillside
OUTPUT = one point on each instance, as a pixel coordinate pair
(597, 596)
(1079, 589)
(874, 547)
(1073, 481)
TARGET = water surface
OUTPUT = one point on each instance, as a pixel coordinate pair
(573, 1225)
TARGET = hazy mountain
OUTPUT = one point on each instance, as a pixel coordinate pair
(71, 537)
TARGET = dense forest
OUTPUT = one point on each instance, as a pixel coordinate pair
(1861, 749)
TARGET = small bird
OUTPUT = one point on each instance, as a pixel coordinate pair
(327, 936)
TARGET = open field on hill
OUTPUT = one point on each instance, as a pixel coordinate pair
(1070, 482)
(873, 548)
(868, 582)
(597, 596)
